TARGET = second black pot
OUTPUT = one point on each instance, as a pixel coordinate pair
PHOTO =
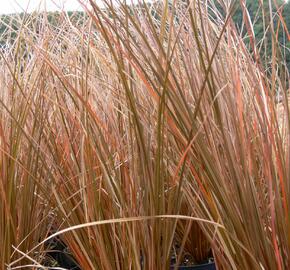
(205, 266)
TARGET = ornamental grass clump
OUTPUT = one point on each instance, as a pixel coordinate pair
(219, 107)
(149, 135)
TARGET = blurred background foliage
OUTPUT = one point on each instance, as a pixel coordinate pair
(258, 8)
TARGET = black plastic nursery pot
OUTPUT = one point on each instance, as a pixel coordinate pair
(60, 255)
(204, 266)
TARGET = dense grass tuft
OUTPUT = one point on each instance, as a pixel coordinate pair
(144, 135)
